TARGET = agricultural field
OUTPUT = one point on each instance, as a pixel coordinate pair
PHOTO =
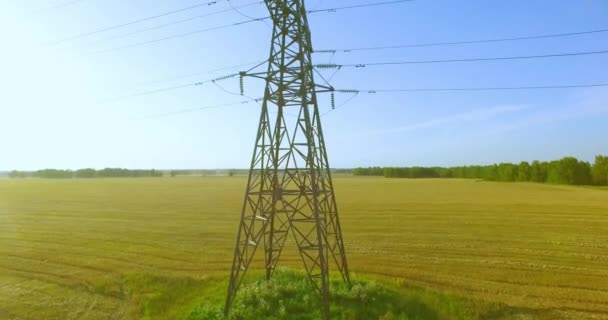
(154, 248)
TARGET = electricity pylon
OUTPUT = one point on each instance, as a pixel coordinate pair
(290, 188)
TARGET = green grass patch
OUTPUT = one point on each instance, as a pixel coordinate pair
(289, 295)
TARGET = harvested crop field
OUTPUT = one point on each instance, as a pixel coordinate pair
(137, 248)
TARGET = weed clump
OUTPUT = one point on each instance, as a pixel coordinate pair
(289, 296)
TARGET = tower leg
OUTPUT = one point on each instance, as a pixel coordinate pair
(257, 208)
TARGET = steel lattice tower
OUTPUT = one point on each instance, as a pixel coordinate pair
(290, 188)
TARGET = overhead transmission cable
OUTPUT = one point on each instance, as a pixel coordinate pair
(385, 63)
(60, 5)
(239, 23)
(215, 82)
(356, 92)
(187, 19)
(181, 35)
(354, 95)
(183, 76)
(237, 10)
(121, 25)
(547, 87)
(356, 6)
(448, 43)
(181, 86)
(188, 110)
(373, 91)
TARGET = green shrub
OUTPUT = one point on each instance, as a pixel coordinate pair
(290, 296)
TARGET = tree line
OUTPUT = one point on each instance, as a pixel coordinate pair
(86, 173)
(127, 173)
(567, 170)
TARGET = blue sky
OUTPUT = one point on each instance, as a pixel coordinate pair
(58, 108)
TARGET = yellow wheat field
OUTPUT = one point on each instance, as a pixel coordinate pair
(71, 249)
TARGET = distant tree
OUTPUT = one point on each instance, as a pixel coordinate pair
(85, 173)
(472, 172)
(569, 170)
(490, 173)
(53, 174)
(156, 173)
(17, 174)
(599, 171)
(523, 171)
(370, 171)
(444, 172)
(421, 172)
(538, 172)
(345, 171)
(388, 172)
(507, 172)
(126, 173)
(357, 171)
(583, 173)
(458, 172)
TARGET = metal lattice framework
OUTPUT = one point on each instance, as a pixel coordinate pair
(290, 188)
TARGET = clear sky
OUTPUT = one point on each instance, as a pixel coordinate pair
(58, 106)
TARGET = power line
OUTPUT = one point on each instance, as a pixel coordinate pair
(234, 93)
(215, 82)
(182, 111)
(187, 19)
(363, 65)
(556, 35)
(176, 87)
(372, 91)
(355, 92)
(207, 72)
(181, 35)
(354, 95)
(145, 93)
(62, 5)
(117, 26)
(236, 9)
(368, 91)
(356, 6)
(53, 7)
